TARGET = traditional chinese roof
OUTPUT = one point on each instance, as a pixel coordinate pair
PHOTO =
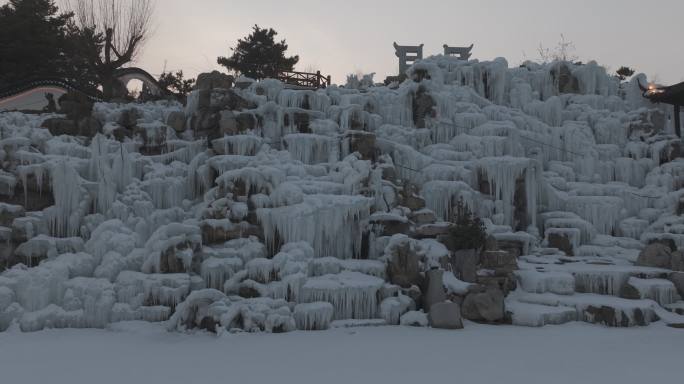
(673, 94)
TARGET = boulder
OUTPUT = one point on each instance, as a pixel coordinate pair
(362, 142)
(436, 230)
(414, 319)
(228, 123)
(465, 263)
(655, 255)
(60, 126)
(677, 278)
(423, 105)
(422, 217)
(227, 99)
(677, 261)
(176, 120)
(484, 306)
(89, 126)
(403, 268)
(9, 212)
(498, 260)
(446, 316)
(390, 224)
(214, 79)
(128, 118)
(434, 292)
(561, 241)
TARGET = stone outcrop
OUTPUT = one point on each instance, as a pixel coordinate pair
(446, 316)
(484, 304)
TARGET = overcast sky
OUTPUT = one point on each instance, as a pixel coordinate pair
(341, 37)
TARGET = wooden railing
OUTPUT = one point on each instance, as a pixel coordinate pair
(304, 79)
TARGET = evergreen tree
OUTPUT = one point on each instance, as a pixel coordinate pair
(624, 72)
(259, 56)
(176, 83)
(33, 41)
(467, 230)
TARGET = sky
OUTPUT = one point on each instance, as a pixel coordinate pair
(352, 36)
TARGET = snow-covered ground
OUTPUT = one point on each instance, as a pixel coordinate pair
(146, 353)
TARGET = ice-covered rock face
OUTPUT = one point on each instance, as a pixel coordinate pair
(258, 197)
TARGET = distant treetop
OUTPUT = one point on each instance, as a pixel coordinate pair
(259, 56)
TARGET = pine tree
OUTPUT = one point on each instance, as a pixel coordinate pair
(259, 56)
(176, 83)
(624, 72)
(467, 230)
(33, 41)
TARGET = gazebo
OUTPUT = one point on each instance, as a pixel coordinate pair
(673, 95)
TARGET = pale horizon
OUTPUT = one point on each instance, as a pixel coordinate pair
(357, 37)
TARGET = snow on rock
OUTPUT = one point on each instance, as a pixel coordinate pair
(414, 319)
(281, 208)
(352, 294)
(313, 316)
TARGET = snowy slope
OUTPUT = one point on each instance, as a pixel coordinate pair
(230, 211)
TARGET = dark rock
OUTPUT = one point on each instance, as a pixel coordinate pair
(677, 278)
(171, 263)
(10, 212)
(423, 106)
(567, 82)
(422, 217)
(301, 121)
(395, 79)
(89, 126)
(629, 292)
(484, 306)
(671, 151)
(129, 118)
(246, 121)
(214, 79)
(501, 260)
(361, 142)
(390, 224)
(520, 221)
(434, 292)
(226, 99)
(248, 292)
(465, 263)
(669, 243)
(216, 234)
(403, 268)
(228, 123)
(176, 120)
(513, 247)
(561, 241)
(655, 255)
(445, 316)
(60, 126)
(677, 261)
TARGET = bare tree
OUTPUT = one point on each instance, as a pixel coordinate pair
(121, 27)
(564, 51)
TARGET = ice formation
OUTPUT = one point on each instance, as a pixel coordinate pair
(276, 209)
